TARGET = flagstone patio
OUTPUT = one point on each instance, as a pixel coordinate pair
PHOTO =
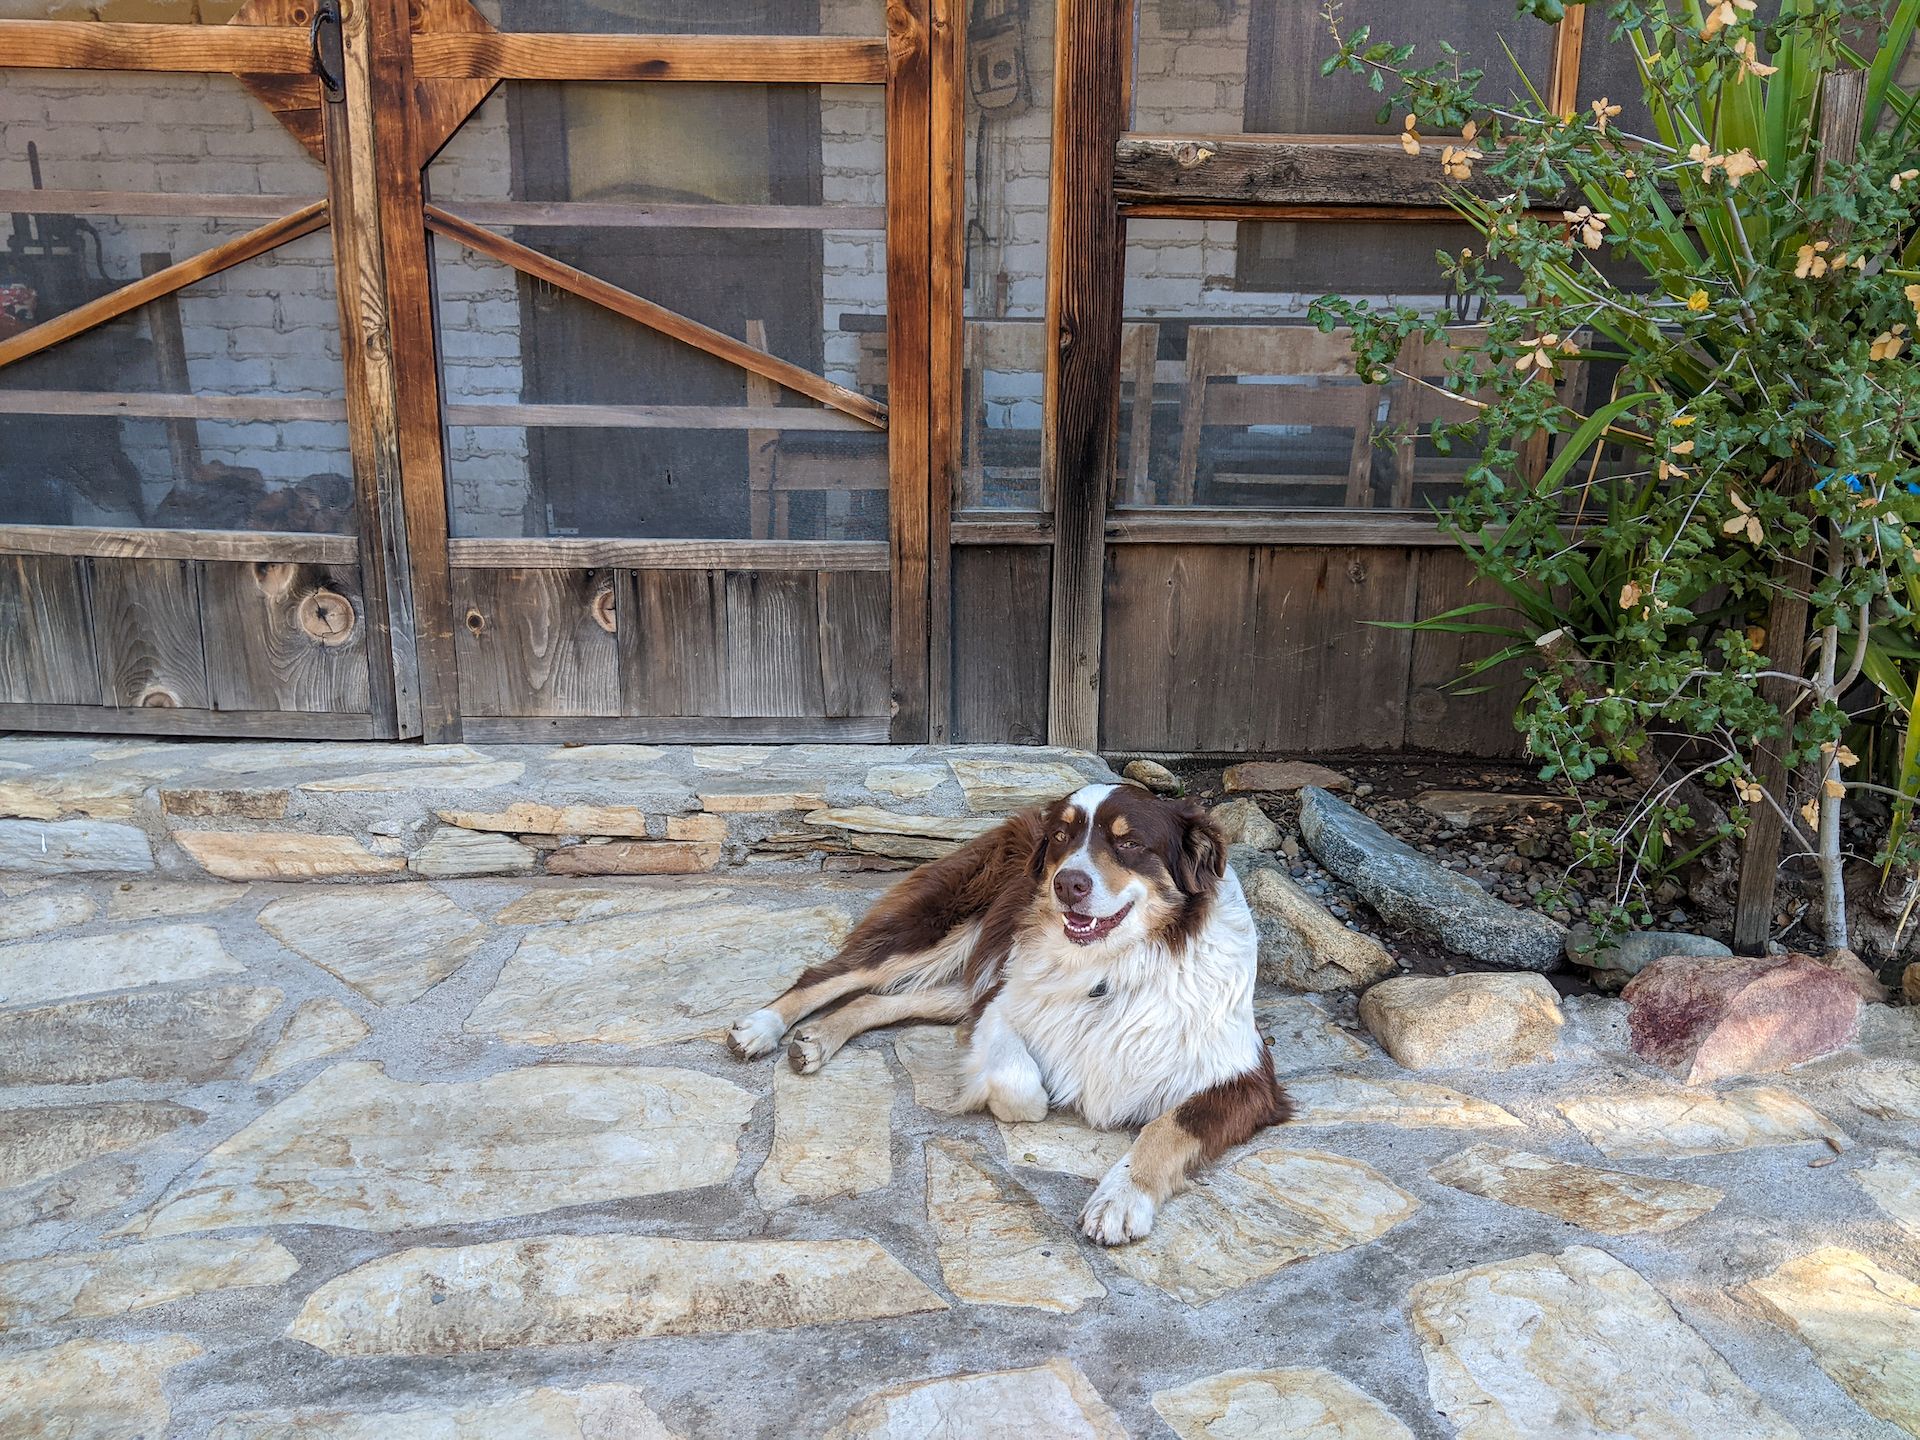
(466, 1158)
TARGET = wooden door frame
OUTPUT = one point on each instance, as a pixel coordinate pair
(1101, 176)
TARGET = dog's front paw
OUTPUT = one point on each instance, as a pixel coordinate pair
(755, 1035)
(1120, 1212)
(1017, 1106)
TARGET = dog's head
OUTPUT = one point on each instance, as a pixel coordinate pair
(1115, 862)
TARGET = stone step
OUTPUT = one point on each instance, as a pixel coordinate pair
(244, 811)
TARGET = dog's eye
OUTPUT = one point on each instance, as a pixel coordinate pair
(1061, 836)
(1121, 842)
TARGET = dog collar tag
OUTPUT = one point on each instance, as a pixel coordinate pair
(1098, 992)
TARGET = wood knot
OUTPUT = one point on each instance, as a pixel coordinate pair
(1190, 153)
(327, 618)
(158, 697)
(1357, 571)
(602, 609)
(476, 622)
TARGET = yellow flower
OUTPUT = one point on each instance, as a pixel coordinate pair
(1739, 165)
(1468, 131)
(1602, 113)
(1685, 419)
(1726, 13)
(1456, 162)
(1812, 260)
(1586, 225)
(1912, 292)
(1685, 447)
(1810, 813)
(1748, 789)
(1629, 595)
(1846, 756)
(1888, 344)
(1540, 357)
(1756, 638)
(1832, 789)
(1410, 137)
(1744, 520)
(1698, 301)
(1899, 181)
(1750, 63)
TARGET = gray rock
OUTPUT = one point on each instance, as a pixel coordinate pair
(1407, 888)
(72, 847)
(1243, 822)
(453, 853)
(1634, 951)
(1155, 776)
(1469, 808)
(1301, 946)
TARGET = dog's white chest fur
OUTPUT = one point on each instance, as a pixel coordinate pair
(1170, 1023)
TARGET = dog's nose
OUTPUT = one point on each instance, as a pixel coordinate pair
(1070, 887)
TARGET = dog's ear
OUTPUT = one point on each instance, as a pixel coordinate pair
(1039, 826)
(1203, 851)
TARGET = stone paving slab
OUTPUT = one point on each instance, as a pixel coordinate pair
(535, 1198)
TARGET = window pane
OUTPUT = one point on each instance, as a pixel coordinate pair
(757, 211)
(1009, 130)
(1226, 66)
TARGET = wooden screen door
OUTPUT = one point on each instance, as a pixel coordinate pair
(677, 295)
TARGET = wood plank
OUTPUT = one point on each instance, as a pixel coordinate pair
(177, 544)
(166, 204)
(657, 317)
(567, 554)
(46, 632)
(678, 730)
(1569, 40)
(1273, 527)
(773, 643)
(1180, 664)
(366, 354)
(146, 625)
(202, 724)
(606, 215)
(136, 293)
(1000, 636)
(984, 527)
(794, 59)
(170, 363)
(1086, 262)
(656, 417)
(151, 405)
(537, 642)
(946, 398)
(1437, 718)
(1333, 680)
(910, 356)
(855, 642)
(445, 105)
(673, 643)
(1272, 170)
(189, 49)
(398, 145)
(280, 636)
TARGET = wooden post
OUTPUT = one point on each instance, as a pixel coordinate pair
(398, 157)
(1842, 104)
(1086, 256)
(909, 353)
(170, 360)
(366, 352)
(946, 353)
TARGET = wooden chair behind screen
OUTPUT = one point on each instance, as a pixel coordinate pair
(779, 464)
(1290, 353)
(1018, 347)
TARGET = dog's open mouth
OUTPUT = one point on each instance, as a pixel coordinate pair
(1085, 929)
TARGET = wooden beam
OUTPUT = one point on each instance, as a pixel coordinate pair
(1253, 210)
(656, 317)
(1268, 170)
(783, 59)
(1255, 527)
(673, 729)
(399, 200)
(126, 203)
(521, 214)
(656, 417)
(573, 554)
(136, 293)
(1569, 40)
(946, 348)
(286, 547)
(177, 721)
(350, 152)
(191, 49)
(170, 361)
(1086, 261)
(909, 352)
(1843, 97)
(158, 405)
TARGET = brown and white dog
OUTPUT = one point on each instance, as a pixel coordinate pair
(1105, 955)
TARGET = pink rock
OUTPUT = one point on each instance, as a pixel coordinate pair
(1708, 1017)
